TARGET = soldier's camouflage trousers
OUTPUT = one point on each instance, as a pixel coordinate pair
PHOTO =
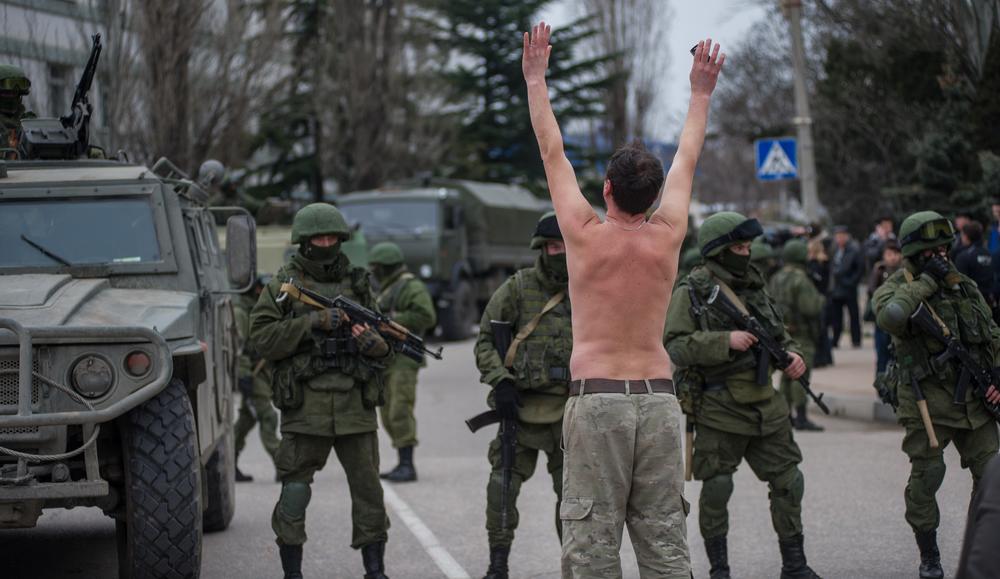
(300, 456)
(623, 466)
(773, 458)
(531, 440)
(257, 409)
(397, 412)
(976, 448)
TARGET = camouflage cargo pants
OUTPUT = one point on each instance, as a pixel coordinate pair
(397, 412)
(623, 466)
(773, 458)
(300, 456)
(927, 469)
(532, 439)
(257, 410)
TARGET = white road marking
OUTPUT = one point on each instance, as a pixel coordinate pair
(442, 558)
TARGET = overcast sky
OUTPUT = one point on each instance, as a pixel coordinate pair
(725, 21)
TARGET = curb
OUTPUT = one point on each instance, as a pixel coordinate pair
(859, 408)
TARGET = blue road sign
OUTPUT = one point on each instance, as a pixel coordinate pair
(776, 159)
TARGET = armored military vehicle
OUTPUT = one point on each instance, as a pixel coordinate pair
(118, 353)
(463, 238)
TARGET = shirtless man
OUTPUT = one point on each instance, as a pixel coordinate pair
(621, 427)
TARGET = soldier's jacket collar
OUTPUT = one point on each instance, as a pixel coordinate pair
(392, 279)
(323, 273)
(753, 279)
(550, 285)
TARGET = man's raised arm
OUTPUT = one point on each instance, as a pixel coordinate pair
(677, 190)
(572, 209)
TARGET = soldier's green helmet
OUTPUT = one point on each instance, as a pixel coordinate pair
(13, 80)
(925, 230)
(546, 229)
(726, 228)
(795, 251)
(211, 172)
(319, 219)
(385, 253)
(761, 250)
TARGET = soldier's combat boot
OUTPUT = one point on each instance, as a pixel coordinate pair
(404, 471)
(793, 559)
(242, 477)
(498, 563)
(373, 556)
(930, 557)
(718, 557)
(802, 421)
(291, 560)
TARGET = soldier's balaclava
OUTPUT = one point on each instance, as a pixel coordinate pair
(734, 263)
(548, 230)
(323, 255)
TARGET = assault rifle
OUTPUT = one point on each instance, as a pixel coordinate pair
(769, 347)
(503, 335)
(67, 137)
(969, 370)
(399, 338)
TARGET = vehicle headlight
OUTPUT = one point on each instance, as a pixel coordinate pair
(92, 376)
(426, 271)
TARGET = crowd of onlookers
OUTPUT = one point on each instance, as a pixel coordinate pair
(840, 265)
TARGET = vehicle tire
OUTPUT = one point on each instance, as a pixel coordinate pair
(159, 532)
(220, 479)
(457, 319)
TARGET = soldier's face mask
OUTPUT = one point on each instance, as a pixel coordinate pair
(11, 105)
(321, 254)
(734, 263)
(555, 265)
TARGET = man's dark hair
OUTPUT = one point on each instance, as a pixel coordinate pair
(974, 231)
(636, 176)
(966, 214)
(892, 245)
(884, 218)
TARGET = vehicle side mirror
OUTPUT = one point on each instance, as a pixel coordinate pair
(241, 251)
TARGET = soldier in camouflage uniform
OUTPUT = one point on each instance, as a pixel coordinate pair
(406, 300)
(327, 383)
(535, 387)
(764, 257)
(14, 85)
(801, 306)
(254, 385)
(929, 277)
(736, 418)
(689, 259)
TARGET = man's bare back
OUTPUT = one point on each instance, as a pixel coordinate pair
(620, 284)
(621, 271)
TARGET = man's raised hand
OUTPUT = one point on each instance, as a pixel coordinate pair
(535, 60)
(706, 67)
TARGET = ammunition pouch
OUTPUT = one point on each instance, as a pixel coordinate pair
(335, 349)
(689, 385)
(286, 391)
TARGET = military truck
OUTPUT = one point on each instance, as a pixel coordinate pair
(118, 354)
(463, 238)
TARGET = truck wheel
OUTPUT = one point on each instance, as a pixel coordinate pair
(159, 534)
(220, 478)
(457, 319)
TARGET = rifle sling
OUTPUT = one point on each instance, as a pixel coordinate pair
(530, 327)
(729, 293)
(944, 327)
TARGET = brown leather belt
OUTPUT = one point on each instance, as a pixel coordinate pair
(602, 386)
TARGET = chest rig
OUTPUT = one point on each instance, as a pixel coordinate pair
(541, 362)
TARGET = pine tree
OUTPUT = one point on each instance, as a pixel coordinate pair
(496, 142)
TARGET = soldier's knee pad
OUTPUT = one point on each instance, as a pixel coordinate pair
(926, 475)
(294, 499)
(789, 484)
(717, 489)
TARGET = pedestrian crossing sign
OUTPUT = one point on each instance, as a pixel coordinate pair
(776, 159)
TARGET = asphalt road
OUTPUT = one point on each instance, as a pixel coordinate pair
(854, 526)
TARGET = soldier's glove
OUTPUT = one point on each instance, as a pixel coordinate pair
(507, 399)
(372, 344)
(245, 385)
(938, 268)
(326, 319)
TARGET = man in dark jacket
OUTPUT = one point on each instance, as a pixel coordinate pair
(975, 260)
(846, 269)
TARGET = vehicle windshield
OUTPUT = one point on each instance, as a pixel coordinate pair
(407, 217)
(62, 232)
